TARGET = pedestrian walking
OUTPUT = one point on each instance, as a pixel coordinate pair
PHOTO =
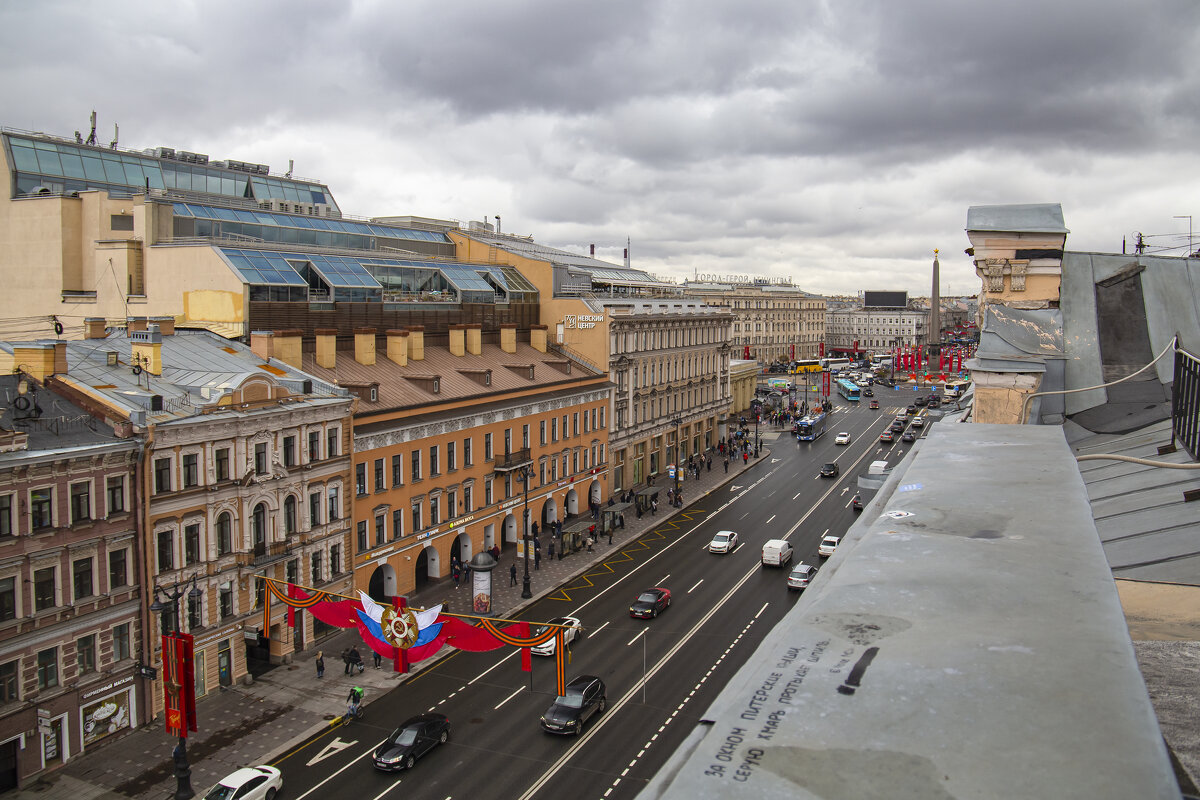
(537, 559)
(457, 574)
(512, 575)
(378, 658)
(653, 506)
(745, 458)
(320, 664)
(550, 550)
(346, 660)
(708, 464)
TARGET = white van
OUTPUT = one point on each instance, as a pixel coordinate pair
(776, 553)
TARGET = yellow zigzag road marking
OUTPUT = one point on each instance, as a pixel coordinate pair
(604, 568)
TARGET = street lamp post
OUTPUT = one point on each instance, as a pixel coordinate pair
(525, 474)
(678, 466)
(183, 770)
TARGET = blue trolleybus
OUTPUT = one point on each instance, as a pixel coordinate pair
(848, 389)
(810, 427)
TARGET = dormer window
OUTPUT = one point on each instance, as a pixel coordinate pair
(437, 385)
(487, 378)
(531, 372)
(374, 394)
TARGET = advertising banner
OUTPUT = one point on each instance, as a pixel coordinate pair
(481, 591)
(179, 686)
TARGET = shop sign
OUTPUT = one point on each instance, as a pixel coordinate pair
(106, 687)
(581, 321)
(107, 715)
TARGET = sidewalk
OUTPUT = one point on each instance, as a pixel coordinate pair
(246, 725)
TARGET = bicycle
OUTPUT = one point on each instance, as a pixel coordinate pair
(353, 712)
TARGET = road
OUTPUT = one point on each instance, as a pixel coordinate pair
(661, 674)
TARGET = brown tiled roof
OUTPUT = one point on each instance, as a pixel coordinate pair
(403, 387)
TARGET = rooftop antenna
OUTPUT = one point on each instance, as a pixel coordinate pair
(497, 223)
(291, 164)
(113, 144)
(92, 136)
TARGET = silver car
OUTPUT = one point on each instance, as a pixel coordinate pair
(800, 576)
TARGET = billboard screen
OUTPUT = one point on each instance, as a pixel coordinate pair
(880, 299)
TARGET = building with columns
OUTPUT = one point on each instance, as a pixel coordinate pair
(772, 322)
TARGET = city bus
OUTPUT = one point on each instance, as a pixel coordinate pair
(955, 388)
(806, 365)
(811, 427)
(848, 389)
(832, 364)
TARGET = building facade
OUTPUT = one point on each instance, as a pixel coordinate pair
(669, 363)
(244, 474)
(772, 323)
(454, 438)
(856, 330)
(70, 610)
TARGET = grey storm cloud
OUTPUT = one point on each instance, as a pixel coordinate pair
(838, 142)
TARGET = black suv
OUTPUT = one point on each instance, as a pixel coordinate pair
(830, 470)
(584, 697)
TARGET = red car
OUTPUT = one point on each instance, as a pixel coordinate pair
(650, 602)
(887, 436)
(874, 404)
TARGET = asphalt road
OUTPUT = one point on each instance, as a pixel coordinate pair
(661, 674)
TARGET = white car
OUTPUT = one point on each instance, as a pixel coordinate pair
(723, 542)
(842, 438)
(248, 783)
(801, 575)
(828, 545)
(573, 628)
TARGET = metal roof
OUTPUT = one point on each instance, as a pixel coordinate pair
(1027, 217)
(974, 615)
(1147, 526)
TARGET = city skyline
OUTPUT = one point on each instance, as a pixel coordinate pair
(837, 146)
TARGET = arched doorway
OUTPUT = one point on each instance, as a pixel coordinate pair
(382, 586)
(572, 502)
(460, 551)
(433, 565)
(594, 492)
(421, 569)
(489, 536)
(549, 512)
(510, 530)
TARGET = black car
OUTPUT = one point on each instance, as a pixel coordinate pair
(414, 738)
(830, 470)
(896, 427)
(911, 410)
(856, 503)
(585, 697)
(867, 393)
(650, 602)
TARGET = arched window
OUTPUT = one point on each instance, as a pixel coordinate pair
(224, 534)
(258, 524)
(289, 514)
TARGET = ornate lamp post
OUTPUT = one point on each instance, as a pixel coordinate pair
(168, 600)
(523, 475)
(677, 422)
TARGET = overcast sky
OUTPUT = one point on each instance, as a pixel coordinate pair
(834, 143)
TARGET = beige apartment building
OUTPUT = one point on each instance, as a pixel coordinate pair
(668, 356)
(772, 322)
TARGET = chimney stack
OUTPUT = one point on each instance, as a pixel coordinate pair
(135, 324)
(262, 344)
(508, 337)
(326, 347)
(166, 325)
(416, 342)
(364, 346)
(458, 336)
(147, 349)
(94, 328)
(397, 346)
(289, 347)
(475, 339)
(537, 337)
(593, 251)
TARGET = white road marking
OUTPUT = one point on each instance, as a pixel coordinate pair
(769, 521)
(510, 697)
(349, 764)
(385, 791)
(764, 608)
(689, 591)
(334, 747)
(641, 633)
(602, 627)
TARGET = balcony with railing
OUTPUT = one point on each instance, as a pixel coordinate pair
(511, 462)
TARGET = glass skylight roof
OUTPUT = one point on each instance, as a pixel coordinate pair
(263, 269)
(301, 221)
